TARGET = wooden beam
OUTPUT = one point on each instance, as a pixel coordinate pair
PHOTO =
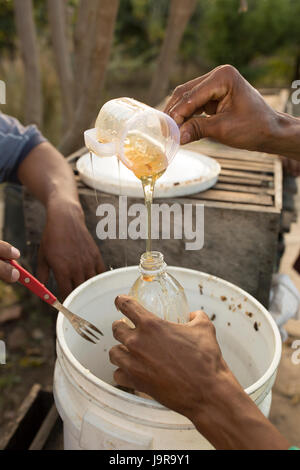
(236, 197)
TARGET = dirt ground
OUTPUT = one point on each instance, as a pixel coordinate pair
(27, 327)
(30, 349)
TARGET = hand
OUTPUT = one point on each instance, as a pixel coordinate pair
(67, 248)
(7, 272)
(237, 115)
(153, 357)
(182, 367)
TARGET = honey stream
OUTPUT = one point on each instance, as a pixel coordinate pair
(148, 162)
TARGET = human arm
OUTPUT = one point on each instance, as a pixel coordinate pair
(66, 246)
(182, 367)
(236, 114)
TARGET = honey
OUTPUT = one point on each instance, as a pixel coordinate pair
(148, 162)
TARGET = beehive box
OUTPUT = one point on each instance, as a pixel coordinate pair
(241, 214)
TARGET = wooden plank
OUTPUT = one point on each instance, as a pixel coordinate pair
(233, 180)
(249, 175)
(45, 430)
(231, 196)
(14, 437)
(260, 163)
(215, 149)
(278, 184)
(244, 188)
(242, 155)
(251, 166)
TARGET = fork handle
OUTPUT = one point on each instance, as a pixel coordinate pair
(32, 284)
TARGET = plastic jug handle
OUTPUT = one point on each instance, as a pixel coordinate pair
(101, 150)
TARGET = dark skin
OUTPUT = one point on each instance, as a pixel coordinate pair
(67, 248)
(181, 366)
(236, 114)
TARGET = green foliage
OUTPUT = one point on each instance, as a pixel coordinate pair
(217, 33)
(241, 38)
(140, 27)
(194, 40)
(263, 43)
(7, 27)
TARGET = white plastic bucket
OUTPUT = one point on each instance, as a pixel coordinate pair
(97, 415)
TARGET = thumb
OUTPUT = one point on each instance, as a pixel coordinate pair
(196, 317)
(198, 127)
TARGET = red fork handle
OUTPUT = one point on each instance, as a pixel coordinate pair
(35, 286)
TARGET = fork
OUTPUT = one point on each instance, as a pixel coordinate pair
(83, 327)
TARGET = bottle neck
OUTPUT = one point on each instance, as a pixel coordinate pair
(152, 264)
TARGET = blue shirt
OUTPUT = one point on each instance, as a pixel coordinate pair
(16, 142)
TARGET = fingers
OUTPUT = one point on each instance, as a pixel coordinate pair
(123, 379)
(8, 252)
(181, 89)
(64, 282)
(199, 127)
(197, 317)
(8, 273)
(100, 266)
(78, 277)
(95, 268)
(123, 333)
(131, 309)
(119, 356)
(211, 89)
(196, 96)
(124, 360)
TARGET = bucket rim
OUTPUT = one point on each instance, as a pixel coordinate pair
(265, 378)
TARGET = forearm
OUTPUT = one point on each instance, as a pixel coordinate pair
(283, 137)
(48, 177)
(233, 421)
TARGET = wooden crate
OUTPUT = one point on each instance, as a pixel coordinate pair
(37, 425)
(242, 217)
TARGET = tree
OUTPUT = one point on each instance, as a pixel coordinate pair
(179, 14)
(98, 39)
(57, 20)
(28, 45)
(238, 39)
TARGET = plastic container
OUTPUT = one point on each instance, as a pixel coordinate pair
(97, 415)
(158, 291)
(130, 129)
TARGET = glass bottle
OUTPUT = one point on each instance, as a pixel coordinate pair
(158, 291)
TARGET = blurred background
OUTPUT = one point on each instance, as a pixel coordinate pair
(61, 59)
